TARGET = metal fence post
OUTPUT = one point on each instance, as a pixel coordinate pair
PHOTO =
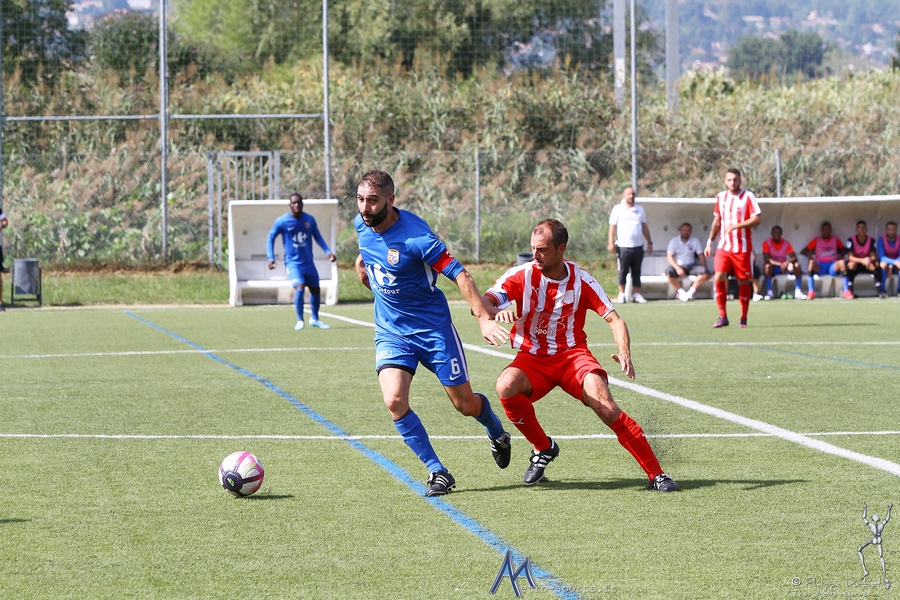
(163, 129)
(634, 115)
(326, 116)
(210, 211)
(477, 205)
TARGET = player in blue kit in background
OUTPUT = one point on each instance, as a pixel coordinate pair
(400, 259)
(296, 229)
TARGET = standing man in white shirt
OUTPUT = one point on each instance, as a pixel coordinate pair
(627, 228)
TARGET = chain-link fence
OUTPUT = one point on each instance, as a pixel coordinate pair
(490, 116)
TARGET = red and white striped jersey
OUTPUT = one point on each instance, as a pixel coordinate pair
(550, 314)
(732, 209)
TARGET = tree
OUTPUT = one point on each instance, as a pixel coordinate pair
(753, 55)
(128, 42)
(801, 52)
(895, 60)
(252, 31)
(793, 52)
(36, 38)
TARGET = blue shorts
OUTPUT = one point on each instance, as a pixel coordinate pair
(776, 270)
(440, 351)
(302, 274)
(827, 268)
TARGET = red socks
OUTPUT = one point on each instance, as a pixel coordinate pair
(721, 296)
(744, 298)
(520, 411)
(632, 438)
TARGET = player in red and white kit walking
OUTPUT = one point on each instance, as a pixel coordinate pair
(552, 297)
(735, 213)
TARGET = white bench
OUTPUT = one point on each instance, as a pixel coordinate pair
(655, 285)
(256, 284)
(250, 280)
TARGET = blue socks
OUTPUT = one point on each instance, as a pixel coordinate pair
(810, 280)
(489, 419)
(769, 285)
(298, 303)
(315, 300)
(415, 436)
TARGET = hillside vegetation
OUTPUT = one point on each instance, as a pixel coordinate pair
(552, 143)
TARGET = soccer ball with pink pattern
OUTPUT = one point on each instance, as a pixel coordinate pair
(241, 473)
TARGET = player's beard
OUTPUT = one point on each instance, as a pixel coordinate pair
(376, 218)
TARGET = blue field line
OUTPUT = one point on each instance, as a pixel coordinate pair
(551, 581)
(763, 348)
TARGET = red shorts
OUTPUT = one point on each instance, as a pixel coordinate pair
(734, 262)
(566, 370)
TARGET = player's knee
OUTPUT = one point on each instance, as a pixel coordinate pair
(396, 404)
(506, 386)
(471, 407)
(315, 290)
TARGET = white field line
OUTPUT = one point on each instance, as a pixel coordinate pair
(785, 434)
(598, 436)
(757, 344)
(164, 352)
(761, 426)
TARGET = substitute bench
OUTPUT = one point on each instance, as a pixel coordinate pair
(251, 282)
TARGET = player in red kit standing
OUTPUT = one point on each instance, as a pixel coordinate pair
(736, 211)
(552, 297)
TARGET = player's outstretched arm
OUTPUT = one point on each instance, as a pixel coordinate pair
(492, 332)
(361, 271)
(623, 343)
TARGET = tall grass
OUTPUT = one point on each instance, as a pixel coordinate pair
(550, 144)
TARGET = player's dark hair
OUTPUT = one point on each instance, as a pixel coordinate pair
(685, 223)
(734, 171)
(379, 180)
(297, 194)
(558, 233)
(861, 222)
(824, 223)
(894, 223)
(778, 227)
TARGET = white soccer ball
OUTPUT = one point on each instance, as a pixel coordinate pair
(241, 473)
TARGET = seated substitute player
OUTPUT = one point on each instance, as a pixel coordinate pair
(400, 260)
(552, 297)
(779, 257)
(295, 228)
(862, 257)
(889, 253)
(685, 256)
(825, 255)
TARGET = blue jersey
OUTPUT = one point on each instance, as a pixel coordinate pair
(403, 264)
(295, 234)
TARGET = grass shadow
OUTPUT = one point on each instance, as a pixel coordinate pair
(5, 521)
(631, 484)
(270, 497)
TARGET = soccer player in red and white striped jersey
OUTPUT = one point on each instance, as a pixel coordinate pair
(736, 211)
(552, 297)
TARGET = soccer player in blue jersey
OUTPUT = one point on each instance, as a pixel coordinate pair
(297, 229)
(400, 259)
